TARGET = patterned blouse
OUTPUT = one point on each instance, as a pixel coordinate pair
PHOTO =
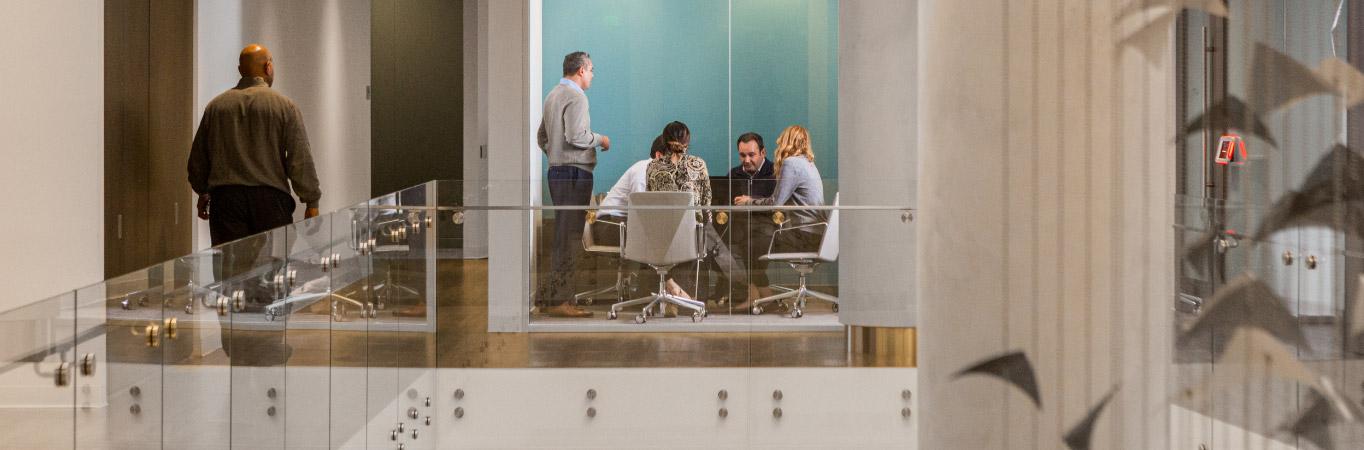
(688, 174)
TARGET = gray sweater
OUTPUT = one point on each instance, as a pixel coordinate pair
(565, 133)
(798, 184)
(252, 135)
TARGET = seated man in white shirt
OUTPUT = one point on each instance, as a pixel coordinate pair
(634, 180)
(607, 229)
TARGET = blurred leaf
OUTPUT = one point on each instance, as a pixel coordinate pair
(1012, 367)
(1277, 80)
(1231, 114)
(1313, 423)
(1080, 435)
(1344, 78)
(1331, 196)
(1246, 302)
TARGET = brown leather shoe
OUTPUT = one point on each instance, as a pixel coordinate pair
(567, 310)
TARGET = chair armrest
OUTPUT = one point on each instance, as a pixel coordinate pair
(612, 223)
(772, 244)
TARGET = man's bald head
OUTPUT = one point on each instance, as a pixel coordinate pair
(255, 61)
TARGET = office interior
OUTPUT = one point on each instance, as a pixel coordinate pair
(1044, 224)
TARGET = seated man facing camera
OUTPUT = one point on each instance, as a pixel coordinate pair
(750, 232)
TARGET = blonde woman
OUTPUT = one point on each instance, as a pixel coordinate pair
(798, 183)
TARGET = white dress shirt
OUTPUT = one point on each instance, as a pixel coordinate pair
(634, 180)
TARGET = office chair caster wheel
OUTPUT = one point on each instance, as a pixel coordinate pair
(640, 318)
(796, 313)
(756, 310)
(611, 315)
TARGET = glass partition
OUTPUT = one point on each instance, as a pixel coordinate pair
(738, 263)
(723, 67)
(1274, 222)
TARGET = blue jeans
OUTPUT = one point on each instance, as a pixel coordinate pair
(568, 186)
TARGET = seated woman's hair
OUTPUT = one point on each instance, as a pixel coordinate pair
(659, 147)
(676, 137)
(794, 141)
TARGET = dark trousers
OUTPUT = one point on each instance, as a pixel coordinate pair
(786, 242)
(242, 212)
(568, 186)
(750, 234)
(717, 257)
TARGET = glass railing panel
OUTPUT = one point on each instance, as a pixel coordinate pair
(195, 367)
(137, 336)
(307, 312)
(255, 269)
(352, 305)
(94, 397)
(39, 372)
(413, 268)
(385, 226)
(338, 330)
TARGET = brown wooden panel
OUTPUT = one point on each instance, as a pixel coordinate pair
(148, 106)
(417, 106)
(126, 89)
(171, 129)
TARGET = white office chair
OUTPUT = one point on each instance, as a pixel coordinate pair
(804, 263)
(662, 239)
(591, 246)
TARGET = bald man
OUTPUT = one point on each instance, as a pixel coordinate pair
(250, 151)
(251, 148)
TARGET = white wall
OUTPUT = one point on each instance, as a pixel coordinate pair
(52, 123)
(322, 61)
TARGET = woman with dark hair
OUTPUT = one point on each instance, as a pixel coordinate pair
(676, 170)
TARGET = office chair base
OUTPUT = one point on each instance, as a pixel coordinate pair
(656, 302)
(585, 298)
(654, 306)
(800, 294)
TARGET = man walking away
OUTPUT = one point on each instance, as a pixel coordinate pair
(250, 150)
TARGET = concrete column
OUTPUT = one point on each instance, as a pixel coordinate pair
(512, 42)
(1046, 182)
(878, 159)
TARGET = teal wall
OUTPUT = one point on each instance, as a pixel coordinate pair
(662, 60)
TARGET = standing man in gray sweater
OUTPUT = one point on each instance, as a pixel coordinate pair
(566, 136)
